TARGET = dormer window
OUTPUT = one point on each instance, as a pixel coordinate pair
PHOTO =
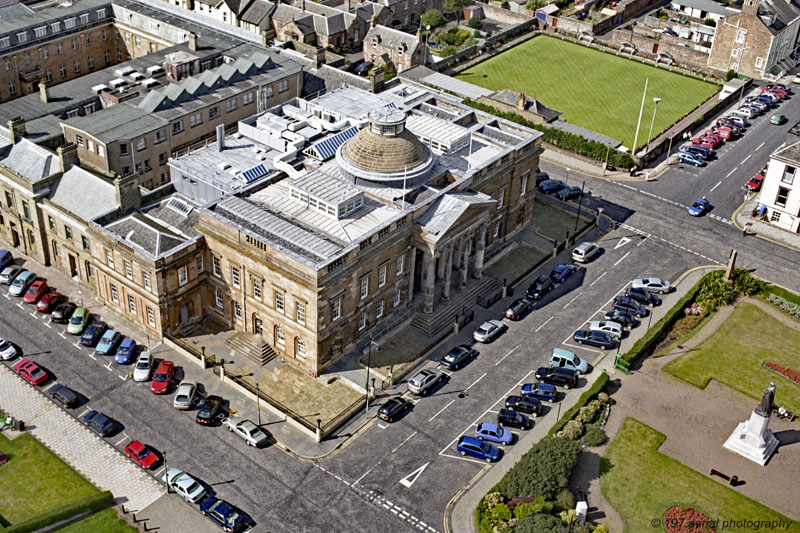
(374, 41)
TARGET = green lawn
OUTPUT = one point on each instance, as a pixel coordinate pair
(35, 480)
(593, 89)
(735, 353)
(105, 521)
(642, 483)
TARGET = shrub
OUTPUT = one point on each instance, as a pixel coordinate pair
(543, 470)
(601, 528)
(537, 523)
(432, 18)
(501, 513)
(476, 34)
(573, 430)
(790, 307)
(492, 499)
(710, 22)
(565, 501)
(585, 398)
(389, 72)
(539, 505)
(730, 75)
(475, 23)
(594, 436)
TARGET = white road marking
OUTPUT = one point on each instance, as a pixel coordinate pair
(463, 458)
(598, 279)
(123, 378)
(404, 441)
(746, 158)
(48, 325)
(108, 367)
(90, 354)
(759, 147)
(382, 426)
(19, 304)
(158, 474)
(77, 345)
(475, 382)
(124, 438)
(84, 412)
(7, 296)
(715, 186)
(506, 355)
(441, 410)
(622, 242)
(575, 298)
(621, 259)
(33, 314)
(61, 334)
(543, 324)
(412, 477)
(731, 172)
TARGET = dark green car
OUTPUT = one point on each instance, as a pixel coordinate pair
(777, 119)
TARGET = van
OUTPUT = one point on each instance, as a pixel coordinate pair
(585, 251)
(606, 326)
(5, 259)
(566, 359)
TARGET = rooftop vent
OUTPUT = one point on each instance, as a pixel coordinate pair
(136, 75)
(97, 89)
(223, 165)
(154, 69)
(179, 206)
(122, 71)
(116, 82)
(149, 82)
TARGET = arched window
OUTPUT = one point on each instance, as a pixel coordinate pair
(258, 326)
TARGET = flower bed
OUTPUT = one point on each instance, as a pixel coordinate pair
(679, 329)
(789, 373)
(682, 519)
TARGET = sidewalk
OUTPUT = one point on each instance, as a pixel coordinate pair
(763, 230)
(595, 169)
(460, 513)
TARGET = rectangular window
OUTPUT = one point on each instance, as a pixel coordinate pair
(399, 264)
(8, 64)
(740, 36)
(40, 31)
(759, 62)
(177, 127)
(77, 65)
(362, 321)
(379, 310)
(68, 232)
(138, 42)
(196, 120)
(90, 145)
(146, 280)
(396, 300)
(26, 212)
(501, 196)
(199, 264)
(382, 275)
(55, 27)
(12, 87)
(280, 337)
(496, 232)
(105, 35)
(237, 310)
(147, 166)
(62, 70)
(10, 204)
(183, 275)
(235, 277)
(230, 105)
(159, 137)
(218, 298)
(162, 159)
(85, 18)
(26, 58)
(107, 56)
(523, 185)
(79, 140)
(776, 216)
(279, 301)
(213, 112)
(74, 44)
(132, 304)
(247, 99)
(283, 86)
(336, 308)
(114, 295)
(300, 312)
(128, 270)
(123, 149)
(101, 13)
(88, 39)
(256, 289)
(110, 258)
(141, 144)
(788, 174)
(783, 196)
(50, 222)
(85, 242)
(101, 151)
(735, 52)
(22, 37)
(151, 317)
(5, 42)
(216, 266)
(364, 287)
(45, 53)
(301, 348)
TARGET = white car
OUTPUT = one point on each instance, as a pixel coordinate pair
(143, 367)
(606, 326)
(651, 285)
(7, 350)
(185, 395)
(251, 433)
(8, 274)
(488, 330)
(184, 485)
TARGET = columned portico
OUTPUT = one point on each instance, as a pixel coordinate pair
(412, 270)
(429, 268)
(448, 272)
(480, 247)
(465, 260)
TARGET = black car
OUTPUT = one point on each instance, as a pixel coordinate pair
(64, 395)
(541, 176)
(363, 68)
(524, 404)
(551, 186)
(563, 377)
(540, 287)
(643, 296)
(93, 332)
(569, 193)
(100, 423)
(630, 306)
(513, 419)
(621, 317)
(393, 409)
(209, 411)
(63, 312)
(458, 357)
(518, 309)
(594, 338)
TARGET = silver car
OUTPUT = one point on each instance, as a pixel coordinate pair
(8, 274)
(421, 383)
(184, 485)
(488, 330)
(143, 367)
(651, 285)
(185, 395)
(251, 433)
(7, 350)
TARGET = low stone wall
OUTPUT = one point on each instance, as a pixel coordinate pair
(649, 44)
(504, 16)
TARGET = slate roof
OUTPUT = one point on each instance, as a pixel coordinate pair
(74, 189)
(257, 11)
(532, 105)
(14, 10)
(324, 20)
(30, 161)
(791, 152)
(122, 121)
(391, 39)
(785, 13)
(709, 6)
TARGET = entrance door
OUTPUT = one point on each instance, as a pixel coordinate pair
(15, 237)
(73, 266)
(184, 313)
(417, 258)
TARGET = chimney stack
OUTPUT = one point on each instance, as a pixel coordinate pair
(220, 137)
(68, 156)
(750, 7)
(17, 128)
(376, 79)
(193, 42)
(521, 102)
(127, 192)
(44, 92)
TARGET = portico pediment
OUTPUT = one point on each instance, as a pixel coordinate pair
(452, 214)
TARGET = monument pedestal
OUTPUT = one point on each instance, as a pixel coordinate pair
(753, 440)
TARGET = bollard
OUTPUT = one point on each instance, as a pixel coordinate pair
(734, 481)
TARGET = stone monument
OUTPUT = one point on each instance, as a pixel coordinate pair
(752, 439)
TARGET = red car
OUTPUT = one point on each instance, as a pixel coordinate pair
(31, 372)
(162, 377)
(49, 301)
(711, 135)
(142, 454)
(35, 291)
(714, 140)
(755, 182)
(702, 141)
(781, 93)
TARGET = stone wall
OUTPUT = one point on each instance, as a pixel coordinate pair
(504, 16)
(649, 44)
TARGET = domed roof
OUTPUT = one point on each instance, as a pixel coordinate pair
(385, 146)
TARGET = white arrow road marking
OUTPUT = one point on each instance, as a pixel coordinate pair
(412, 477)
(622, 242)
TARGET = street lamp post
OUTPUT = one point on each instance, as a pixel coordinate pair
(578, 214)
(369, 364)
(258, 403)
(639, 122)
(566, 180)
(652, 122)
(166, 470)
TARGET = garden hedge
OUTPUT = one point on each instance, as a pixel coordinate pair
(91, 504)
(589, 395)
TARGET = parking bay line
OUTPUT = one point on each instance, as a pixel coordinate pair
(715, 186)
(108, 367)
(123, 439)
(441, 410)
(404, 441)
(575, 298)
(543, 324)
(506, 355)
(33, 314)
(598, 278)
(61, 334)
(475, 382)
(621, 259)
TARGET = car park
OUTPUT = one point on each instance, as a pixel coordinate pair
(551, 186)
(565, 359)
(21, 283)
(630, 306)
(658, 285)
(777, 119)
(424, 380)
(562, 272)
(64, 395)
(540, 287)
(184, 485)
(78, 321)
(621, 317)
(125, 351)
(606, 326)
(143, 367)
(185, 394)
(691, 159)
(513, 419)
(518, 309)
(31, 372)
(49, 301)
(642, 296)
(7, 350)
(699, 207)
(585, 251)
(251, 433)
(524, 404)
(488, 330)
(569, 193)
(594, 338)
(100, 423)
(458, 356)
(9, 273)
(223, 514)
(93, 332)
(141, 454)
(493, 433)
(392, 409)
(162, 377)
(207, 414)
(563, 377)
(475, 447)
(36, 290)
(544, 392)
(755, 183)
(108, 342)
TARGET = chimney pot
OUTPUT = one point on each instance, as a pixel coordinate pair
(67, 156)
(16, 126)
(193, 42)
(44, 92)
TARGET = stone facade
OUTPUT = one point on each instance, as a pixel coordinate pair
(385, 46)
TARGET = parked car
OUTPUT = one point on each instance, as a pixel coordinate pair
(223, 514)
(251, 433)
(746, 112)
(475, 447)
(184, 485)
(424, 381)
(518, 309)
(209, 410)
(93, 332)
(606, 326)
(796, 78)
(458, 356)
(563, 377)
(569, 193)
(393, 409)
(630, 306)
(691, 159)
(702, 141)
(21, 283)
(524, 404)
(699, 207)
(594, 338)
(7, 350)
(109, 341)
(100, 423)
(738, 119)
(777, 119)
(143, 367)
(722, 131)
(621, 317)
(775, 90)
(541, 176)
(78, 321)
(658, 285)
(363, 68)
(565, 359)
(540, 287)
(785, 88)
(563, 271)
(513, 419)
(141, 454)
(49, 301)
(772, 97)
(36, 290)
(755, 183)
(713, 137)
(728, 123)
(64, 395)
(9, 273)
(585, 251)
(551, 186)
(125, 351)
(758, 104)
(493, 433)
(544, 392)
(488, 330)
(31, 372)
(642, 296)
(696, 149)
(185, 395)
(162, 377)
(5, 259)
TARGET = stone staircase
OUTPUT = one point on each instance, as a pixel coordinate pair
(444, 315)
(252, 347)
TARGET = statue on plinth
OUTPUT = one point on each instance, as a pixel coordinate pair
(753, 439)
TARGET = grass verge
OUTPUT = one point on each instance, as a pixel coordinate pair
(105, 521)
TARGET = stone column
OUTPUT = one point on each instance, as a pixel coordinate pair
(480, 246)
(465, 260)
(429, 267)
(448, 273)
(440, 267)
(411, 273)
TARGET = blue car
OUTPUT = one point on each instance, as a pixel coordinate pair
(562, 272)
(92, 333)
(551, 186)
(700, 207)
(108, 342)
(541, 391)
(493, 433)
(223, 513)
(477, 448)
(125, 351)
(691, 159)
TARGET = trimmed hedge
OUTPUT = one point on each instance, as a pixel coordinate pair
(589, 395)
(767, 289)
(91, 504)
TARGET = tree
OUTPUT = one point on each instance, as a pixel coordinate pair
(533, 5)
(475, 23)
(432, 18)
(454, 6)
(730, 75)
